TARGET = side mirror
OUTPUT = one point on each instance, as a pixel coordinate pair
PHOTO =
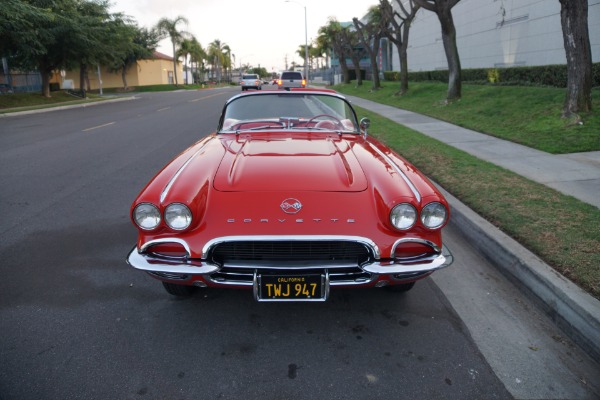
(365, 123)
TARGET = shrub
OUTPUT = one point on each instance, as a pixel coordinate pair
(544, 75)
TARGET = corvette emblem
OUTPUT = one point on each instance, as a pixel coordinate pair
(291, 206)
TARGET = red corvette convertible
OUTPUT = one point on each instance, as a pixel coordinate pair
(290, 197)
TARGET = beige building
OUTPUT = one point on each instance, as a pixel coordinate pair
(155, 71)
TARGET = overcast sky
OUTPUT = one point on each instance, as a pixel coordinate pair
(261, 32)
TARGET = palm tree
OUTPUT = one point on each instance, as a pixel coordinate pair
(219, 56)
(334, 35)
(185, 48)
(197, 54)
(168, 27)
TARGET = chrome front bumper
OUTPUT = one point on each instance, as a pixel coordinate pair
(148, 262)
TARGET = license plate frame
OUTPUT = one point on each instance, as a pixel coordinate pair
(295, 287)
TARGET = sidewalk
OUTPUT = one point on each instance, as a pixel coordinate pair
(578, 175)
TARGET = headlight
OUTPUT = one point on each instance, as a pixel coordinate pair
(146, 216)
(403, 216)
(178, 216)
(433, 215)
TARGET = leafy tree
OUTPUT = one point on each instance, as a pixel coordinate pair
(55, 37)
(370, 34)
(260, 71)
(396, 28)
(574, 20)
(18, 23)
(168, 28)
(133, 44)
(91, 37)
(354, 50)
(333, 36)
(443, 10)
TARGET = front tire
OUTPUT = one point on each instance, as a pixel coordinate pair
(401, 288)
(179, 290)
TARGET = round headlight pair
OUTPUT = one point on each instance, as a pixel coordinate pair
(403, 216)
(177, 216)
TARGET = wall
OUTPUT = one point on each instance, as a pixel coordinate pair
(497, 33)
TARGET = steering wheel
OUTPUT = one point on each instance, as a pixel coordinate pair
(336, 120)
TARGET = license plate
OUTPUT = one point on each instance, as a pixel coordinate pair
(310, 287)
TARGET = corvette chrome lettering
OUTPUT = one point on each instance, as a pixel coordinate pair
(296, 221)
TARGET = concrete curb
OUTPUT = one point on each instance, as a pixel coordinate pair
(81, 105)
(573, 310)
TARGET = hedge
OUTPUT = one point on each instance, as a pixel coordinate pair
(546, 75)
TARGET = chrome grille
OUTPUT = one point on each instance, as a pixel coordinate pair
(241, 259)
(298, 252)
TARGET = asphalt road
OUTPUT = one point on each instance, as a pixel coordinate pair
(77, 323)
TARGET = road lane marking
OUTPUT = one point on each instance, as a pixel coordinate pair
(206, 97)
(163, 109)
(97, 127)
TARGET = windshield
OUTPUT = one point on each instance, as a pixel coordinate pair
(299, 111)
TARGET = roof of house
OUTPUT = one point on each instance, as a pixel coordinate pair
(161, 56)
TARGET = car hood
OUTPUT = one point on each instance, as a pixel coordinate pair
(292, 163)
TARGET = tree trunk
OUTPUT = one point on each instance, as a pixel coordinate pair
(124, 77)
(82, 68)
(45, 72)
(451, 49)
(574, 20)
(45, 82)
(375, 83)
(403, 55)
(403, 68)
(174, 63)
(343, 65)
(356, 63)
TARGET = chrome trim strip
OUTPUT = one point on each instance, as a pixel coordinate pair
(290, 266)
(146, 262)
(397, 268)
(288, 238)
(154, 242)
(167, 188)
(429, 243)
(412, 187)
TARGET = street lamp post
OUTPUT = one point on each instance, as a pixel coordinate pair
(305, 40)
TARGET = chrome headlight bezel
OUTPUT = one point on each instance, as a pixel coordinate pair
(146, 216)
(178, 216)
(403, 216)
(434, 215)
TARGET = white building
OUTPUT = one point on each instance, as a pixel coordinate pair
(496, 33)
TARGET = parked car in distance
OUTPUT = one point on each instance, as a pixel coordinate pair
(291, 79)
(250, 81)
(6, 88)
(291, 198)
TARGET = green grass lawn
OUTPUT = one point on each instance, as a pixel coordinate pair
(523, 114)
(561, 230)
(28, 101)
